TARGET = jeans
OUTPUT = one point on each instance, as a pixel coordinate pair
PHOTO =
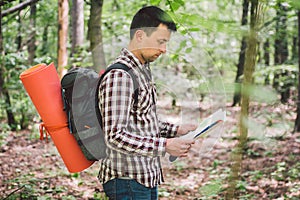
(129, 189)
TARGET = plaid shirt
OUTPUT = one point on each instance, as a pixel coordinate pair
(135, 138)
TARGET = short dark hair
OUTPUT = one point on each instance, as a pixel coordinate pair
(150, 17)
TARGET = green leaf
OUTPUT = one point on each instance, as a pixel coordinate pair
(180, 2)
(188, 50)
(295, 4)
(155, 2)
(174, 6)
(193, 29)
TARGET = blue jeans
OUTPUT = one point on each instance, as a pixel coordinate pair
(128, 189)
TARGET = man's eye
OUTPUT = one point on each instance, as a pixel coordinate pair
(161, 41)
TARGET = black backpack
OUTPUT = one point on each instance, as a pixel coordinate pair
(80, 97)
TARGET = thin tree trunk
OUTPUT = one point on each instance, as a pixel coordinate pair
(45, 39)
(266, 48)
(3, 90)
(63, 23)
(240, 65)
(281, 43)
(95, 35)
(294, 48)
(77, 25)
(31, 43)
(295, 43)
(281, 52)
(250, 62)
(267, 52)
(297, 123)
(19, 36)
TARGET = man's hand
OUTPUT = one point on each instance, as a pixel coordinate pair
(185, 128)
(179, 147)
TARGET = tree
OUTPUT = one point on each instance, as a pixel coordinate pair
(267, 52)
(63, 23)
(297, 123)
(3, 85)
(281, 40)
(95, 35)
(3, 88)
(295, 42)
(31, 42)
(240, 65)
(250, 62)
(281, 52)
(19, 37)
(77, 25)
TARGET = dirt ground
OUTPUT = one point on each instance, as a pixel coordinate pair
(33, 169)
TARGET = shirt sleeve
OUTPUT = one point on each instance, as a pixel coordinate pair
(168, 130)
(115, 101)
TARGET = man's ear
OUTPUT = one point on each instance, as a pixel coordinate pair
(139, 34)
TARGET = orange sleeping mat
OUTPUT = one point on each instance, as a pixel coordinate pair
(43, 86)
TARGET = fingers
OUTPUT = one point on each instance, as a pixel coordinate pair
(185, 148)
(179, 147)
(185, 128)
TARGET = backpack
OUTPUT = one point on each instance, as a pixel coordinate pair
(80, 97)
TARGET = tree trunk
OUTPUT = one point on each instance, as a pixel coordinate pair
(19, 36)
(281, 52)
(297, 123)
(266, 48)
(267, 52)
(77, 25)
(95, 35)
(250, 62)
(281, 41)
(3, 90)
(31, 42)
(44, 49)
(295, 43)
(294, 48)
(63, 22)
(240, 65)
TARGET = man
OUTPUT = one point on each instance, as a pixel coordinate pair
(135, 138)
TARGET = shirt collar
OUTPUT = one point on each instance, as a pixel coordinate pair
(134, 60)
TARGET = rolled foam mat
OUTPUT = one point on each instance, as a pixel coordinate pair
(42, 84)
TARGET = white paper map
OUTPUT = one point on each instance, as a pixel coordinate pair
(208, 125)
(211, 127)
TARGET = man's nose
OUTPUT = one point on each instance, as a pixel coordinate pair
(163, 48)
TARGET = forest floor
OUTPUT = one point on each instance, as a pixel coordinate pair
(33, 169)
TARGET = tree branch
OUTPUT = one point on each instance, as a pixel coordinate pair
(18, 7)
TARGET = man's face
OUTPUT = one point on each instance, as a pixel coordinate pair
(154, 45)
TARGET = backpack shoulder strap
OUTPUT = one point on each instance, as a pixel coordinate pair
(135, 85)
(133, 77)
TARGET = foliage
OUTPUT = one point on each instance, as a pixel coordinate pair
(282, 77)
(204, 46)
(81, 58)
(21, 104)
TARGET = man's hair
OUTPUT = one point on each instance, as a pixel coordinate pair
(149, 18)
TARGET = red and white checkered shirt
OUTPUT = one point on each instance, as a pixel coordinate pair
(135, 138)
